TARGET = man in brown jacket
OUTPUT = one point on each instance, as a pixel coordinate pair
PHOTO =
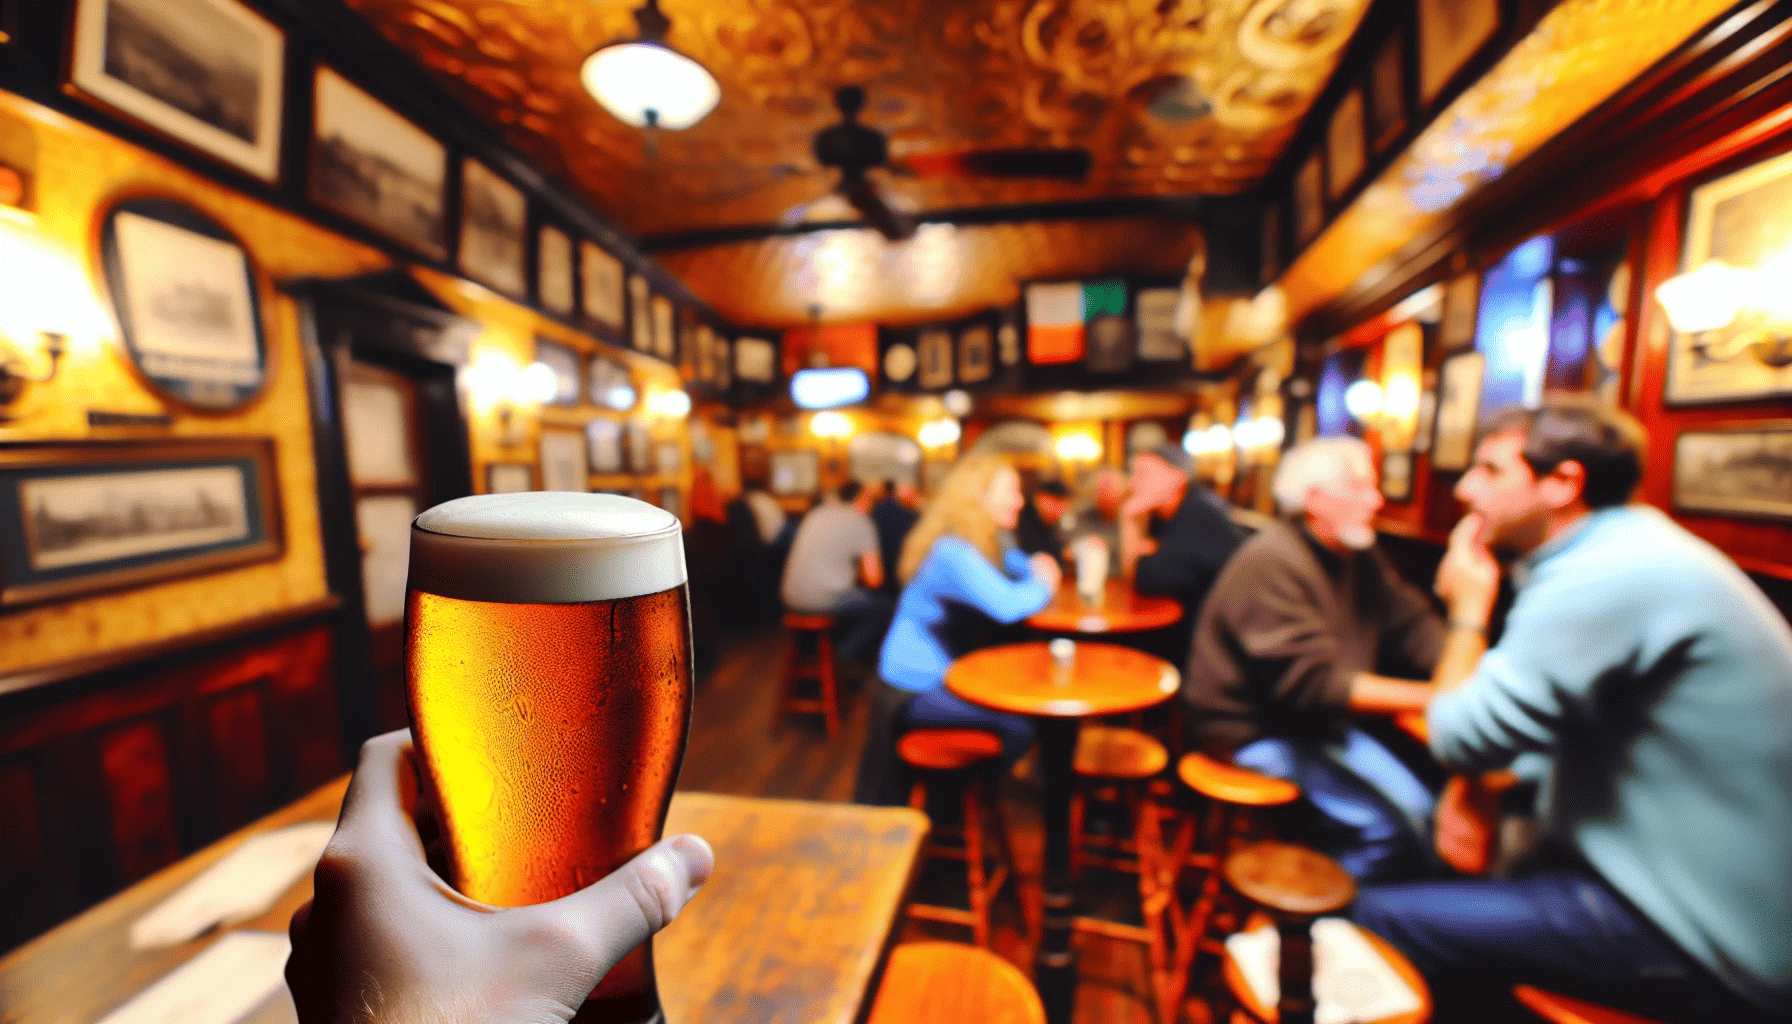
(1290, 645)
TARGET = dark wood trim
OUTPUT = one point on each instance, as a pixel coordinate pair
(186, 646)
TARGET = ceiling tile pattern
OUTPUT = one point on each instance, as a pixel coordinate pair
(940, 75)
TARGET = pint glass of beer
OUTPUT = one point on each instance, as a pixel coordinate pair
(548, 668)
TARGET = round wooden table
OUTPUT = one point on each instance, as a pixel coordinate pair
(1024, 679)
(1122, 610)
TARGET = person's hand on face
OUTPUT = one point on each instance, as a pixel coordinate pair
(386, 938)
(1468, 579)
(1046, 568)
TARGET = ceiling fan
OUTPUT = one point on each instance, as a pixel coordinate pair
(855, 149)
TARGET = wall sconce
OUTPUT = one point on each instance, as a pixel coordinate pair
(940, 433)
(1364, 400)
(500, 386)
(1078, 446)
(831, 425)
(13, 377)
(1717, 296)
(669, 405)
(46, 302)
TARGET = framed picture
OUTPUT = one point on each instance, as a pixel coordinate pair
(1746, 472)
(565, 364)
(668, 458)
(600, 286)
(553, 270)
(1427, 418)
(610, 385)
(81, 517)
(1345, 146)
(603, 441)
(640, 447)
(1269, 244)
(492, 228)
(1396, 476)
(974, 356)
(1309, 201)
(1741, 219)
(665, 344)
(509, 477)
(1154, 316)
(373, 166)
(1109, 345)
(187, 303)
(724, 359)
(934, 348)
(1462, 305)
(640, 320)
(1451, 32)
(209, 74)
(795, 473)
(1386, 101)
(563, 461)
(755, 360)
(1458, 409)
(900, 363)
(1008, 343)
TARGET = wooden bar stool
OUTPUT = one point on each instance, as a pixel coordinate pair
(963, 758)
(1234, 797)
(1561, 1009)
(1296, 886)
(947, 982)
(820, 667)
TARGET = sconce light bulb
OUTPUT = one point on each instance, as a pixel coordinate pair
(1705, 299)
(538, 384)
(831, 424)
(1363, 399)
(675, 405)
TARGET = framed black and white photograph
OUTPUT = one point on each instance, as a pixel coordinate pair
(665, 344)
(1458, 410)
(1396, 476)
(1346, 144)
(1154, 319)
(603, 440)
(553, 270)
(600, 286)
(974, 356)
(1451, 32)
(77, 517)
(187, 303)
(1742, 472)
(564, 361)
(1309, 201)
(209, 74)
(493, 216)
(640, 317)
(373, 166)
(509, 477)
(563, 461)
(934, 348)
(1386, 102)
(609, 385)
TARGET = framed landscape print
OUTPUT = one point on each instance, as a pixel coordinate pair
(187, 303)
(563, 461)
(1744, 472)
(1458, 410)
(600, 286)
(1309, 201)
(493, 213)
(207, 73)
(1386, 102)
(1451, 32)
(373, 166)
(553, 270)
(1743, 219)
(509, 477)
(1345, 146)
(80, 517)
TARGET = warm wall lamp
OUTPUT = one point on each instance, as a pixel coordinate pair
(645, 82)
(1750, 307)
(45, 301)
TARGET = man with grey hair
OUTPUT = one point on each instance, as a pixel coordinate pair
(1294, 639)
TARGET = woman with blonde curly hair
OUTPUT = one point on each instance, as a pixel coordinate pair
(953, 560)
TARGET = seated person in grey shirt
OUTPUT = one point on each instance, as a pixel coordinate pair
(835, 568)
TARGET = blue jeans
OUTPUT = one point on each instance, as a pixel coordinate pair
(1556, 925)
(1375, 814)
(940, 708)
(864, 617)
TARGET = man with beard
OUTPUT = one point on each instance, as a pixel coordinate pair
(1292, 642)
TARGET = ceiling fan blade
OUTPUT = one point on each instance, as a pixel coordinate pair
(1067, 164)
(865, 197)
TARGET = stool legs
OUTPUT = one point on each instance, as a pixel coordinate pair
(983, 883)
(820, 668)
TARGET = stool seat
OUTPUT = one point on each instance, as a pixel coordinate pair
(1289, 880)
(1109, 752)
(946, 982)
(1397, 961)
(1233, 784)
(803, 620)
(947, 750)
(1560, 1009)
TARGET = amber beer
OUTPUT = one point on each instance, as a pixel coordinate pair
(548, 666)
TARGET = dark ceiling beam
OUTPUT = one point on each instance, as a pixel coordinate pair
(1184, 207)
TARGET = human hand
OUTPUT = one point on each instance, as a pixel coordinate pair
(386, 939)
(1467, 825)
(1468, 579)
(1047, 569)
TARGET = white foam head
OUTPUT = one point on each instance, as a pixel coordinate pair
(546, 547)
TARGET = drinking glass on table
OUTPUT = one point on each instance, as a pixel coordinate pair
(1091, 556)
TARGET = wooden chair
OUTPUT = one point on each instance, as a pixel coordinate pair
(801, 667)
(1560, 1009)
(962, 758)
(946, 982)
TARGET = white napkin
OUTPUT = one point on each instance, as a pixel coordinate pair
(1351, 981)
(246, 882)
(219, 986)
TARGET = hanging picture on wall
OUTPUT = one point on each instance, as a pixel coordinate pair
(600, 286)
(640, 318)
(563, 461)
(209, 74)
(565, 364)
(1462, 297)
(82, 517)
(1154, 316)
(795, 473)
(1386, 104)
(1110, 344)
(492, 228)
(1739, 220)
(665, 343)
(509, 477)
(1309, 201)
(373, 166)
(1396, 476)
(640, 447)
(603, 439)
(1345, 145)
(1458, 410)
(1735, 472)
(609, 385)
(755, 360)
(1451, 32)
(186, 302)
(553, 270)
(672, 501)
(934, 347)
(668, 458)
(974, 356)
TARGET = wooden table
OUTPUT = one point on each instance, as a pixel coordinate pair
(1023, 679)
(791, 927)
(1122, 610)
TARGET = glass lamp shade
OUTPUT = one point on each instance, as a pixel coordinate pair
(642, 82)
(1705, 299)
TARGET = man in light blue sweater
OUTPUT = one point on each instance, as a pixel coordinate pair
(1658, 680)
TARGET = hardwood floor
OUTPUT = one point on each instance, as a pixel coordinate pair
(741, 745)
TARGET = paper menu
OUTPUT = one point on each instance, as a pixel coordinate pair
(219, 986)
(246, 882)
(1351, 981)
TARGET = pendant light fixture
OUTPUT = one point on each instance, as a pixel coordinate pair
(645, 82)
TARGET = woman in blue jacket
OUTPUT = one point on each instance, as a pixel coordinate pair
(953, 562)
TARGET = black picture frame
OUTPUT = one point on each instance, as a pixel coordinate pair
(1396, 476)
(1734, 470)
(1385, 106)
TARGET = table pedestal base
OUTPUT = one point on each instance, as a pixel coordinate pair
(1055, 971)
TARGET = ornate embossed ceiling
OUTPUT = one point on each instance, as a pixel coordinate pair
(940, 76)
